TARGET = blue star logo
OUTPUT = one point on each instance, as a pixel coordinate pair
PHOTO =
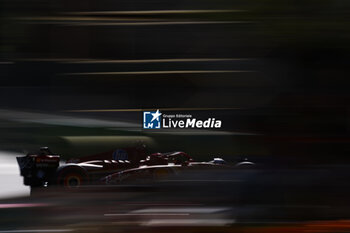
(151, 120)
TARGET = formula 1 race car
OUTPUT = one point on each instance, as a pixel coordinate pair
(44, 168)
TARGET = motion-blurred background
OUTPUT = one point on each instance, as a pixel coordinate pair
(275, 72)
(76, 76)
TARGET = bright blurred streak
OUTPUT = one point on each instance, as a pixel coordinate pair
(11, 183)
(76, 61)
(188, 222)
(21, 205)
(200, 210)
(148, 109)
(37, 230)
(152, 12)
(163, 72)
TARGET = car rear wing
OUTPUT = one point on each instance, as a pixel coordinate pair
(38, 170)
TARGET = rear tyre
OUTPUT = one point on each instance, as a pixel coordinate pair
(72, 178)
